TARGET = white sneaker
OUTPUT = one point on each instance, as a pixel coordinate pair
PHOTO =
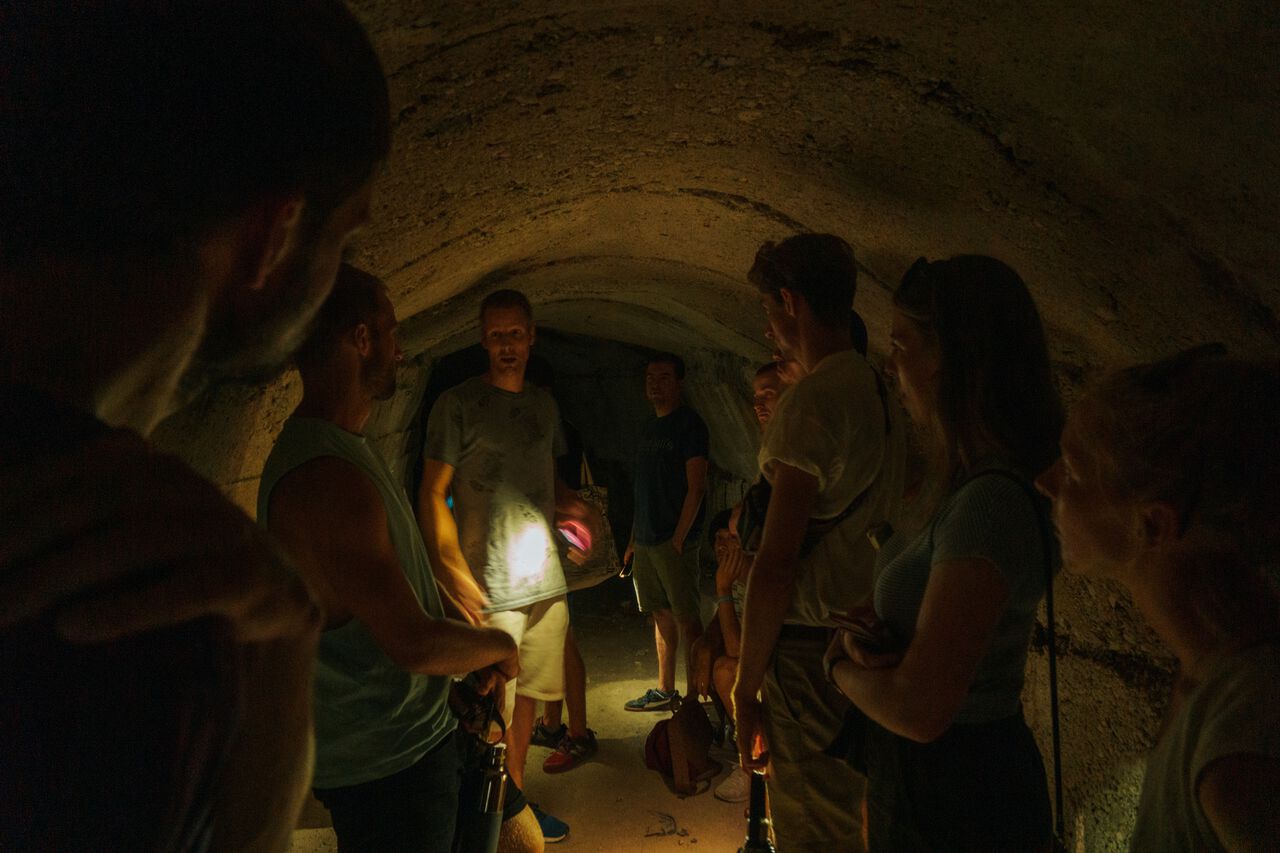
(736, 787)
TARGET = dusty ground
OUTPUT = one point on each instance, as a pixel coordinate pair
(611, 803)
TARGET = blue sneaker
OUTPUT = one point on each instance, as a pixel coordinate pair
(553, 828)
(653, 700)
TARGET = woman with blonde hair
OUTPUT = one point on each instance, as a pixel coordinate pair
(949, 760)
(1169, 483)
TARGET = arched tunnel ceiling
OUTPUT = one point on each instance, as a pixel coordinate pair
(1121, 157)
(653, 302)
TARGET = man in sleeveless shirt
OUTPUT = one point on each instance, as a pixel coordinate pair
(387, 763)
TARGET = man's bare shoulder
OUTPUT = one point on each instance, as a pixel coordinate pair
(328, 490)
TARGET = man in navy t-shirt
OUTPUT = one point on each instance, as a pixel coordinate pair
(671, 473)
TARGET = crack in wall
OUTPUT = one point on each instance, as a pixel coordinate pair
(444, 48)
(1239, 294)
(1146, 675)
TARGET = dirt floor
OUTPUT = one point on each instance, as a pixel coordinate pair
(612, 803)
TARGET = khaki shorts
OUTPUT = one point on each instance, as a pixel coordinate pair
(666, 580)
(539, 630)
(814, 799)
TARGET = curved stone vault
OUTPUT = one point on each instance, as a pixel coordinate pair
(621, 162)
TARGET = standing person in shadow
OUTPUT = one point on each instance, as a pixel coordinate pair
(179, 181)
(671, 481)
(1169, 482)
(950, 762)
(834, 460)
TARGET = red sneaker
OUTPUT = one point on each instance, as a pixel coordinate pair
(570, 753)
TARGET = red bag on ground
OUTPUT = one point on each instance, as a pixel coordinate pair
(677, 748)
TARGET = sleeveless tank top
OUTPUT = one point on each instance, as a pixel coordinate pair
(373, 718)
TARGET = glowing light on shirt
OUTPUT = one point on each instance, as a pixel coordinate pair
(527, 553)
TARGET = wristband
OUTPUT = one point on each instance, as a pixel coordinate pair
(724, 599)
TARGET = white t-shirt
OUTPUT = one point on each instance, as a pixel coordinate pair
(502, 445)
(831, 424)
(1233, 712)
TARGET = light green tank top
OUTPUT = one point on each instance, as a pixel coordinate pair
(373, 719)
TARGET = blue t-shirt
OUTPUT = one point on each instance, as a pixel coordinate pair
(990, 517)
(666, 444)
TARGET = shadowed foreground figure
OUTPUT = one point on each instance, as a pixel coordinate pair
(179, 181)
(1169, 482)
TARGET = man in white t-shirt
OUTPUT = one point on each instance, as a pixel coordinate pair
(833, 453)
(491, 445)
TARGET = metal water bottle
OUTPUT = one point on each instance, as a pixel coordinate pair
(493, 796)
(757, 821)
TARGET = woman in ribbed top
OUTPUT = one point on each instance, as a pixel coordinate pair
(937, 670)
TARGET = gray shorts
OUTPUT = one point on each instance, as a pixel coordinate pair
(666, 580)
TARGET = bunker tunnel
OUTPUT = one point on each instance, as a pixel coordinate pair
(620, 163)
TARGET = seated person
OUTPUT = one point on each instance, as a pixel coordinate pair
(715, 653)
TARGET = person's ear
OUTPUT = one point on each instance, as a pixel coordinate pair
(1161, 524)
(533, 334)
(271, 233)
(362, 339)
(790, 304)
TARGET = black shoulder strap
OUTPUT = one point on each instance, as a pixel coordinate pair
(1046, 546)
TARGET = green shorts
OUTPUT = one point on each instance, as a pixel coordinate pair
(666, 580)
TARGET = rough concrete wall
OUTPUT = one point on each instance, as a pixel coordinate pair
(1106, 151)
(621, 162)
(390, 427)
(227, 435)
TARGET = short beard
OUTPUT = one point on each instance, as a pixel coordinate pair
(384, 386)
